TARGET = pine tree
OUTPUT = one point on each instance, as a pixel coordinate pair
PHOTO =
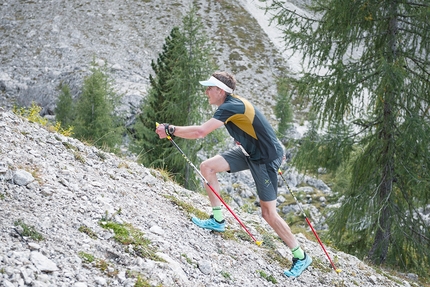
(65, 111)
(368, 80)
(283, 110)
(175, 97)
(95, 120)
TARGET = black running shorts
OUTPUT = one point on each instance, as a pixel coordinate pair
(265, 175)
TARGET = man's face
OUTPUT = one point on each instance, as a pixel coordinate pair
(215, 95)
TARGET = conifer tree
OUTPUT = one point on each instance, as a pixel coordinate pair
(175, 97)
(65, 111)
(368, 81)
(95, 120)
(283, 109)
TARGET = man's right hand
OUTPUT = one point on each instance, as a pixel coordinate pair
(161, 131)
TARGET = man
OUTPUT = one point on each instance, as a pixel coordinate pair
(257, 149)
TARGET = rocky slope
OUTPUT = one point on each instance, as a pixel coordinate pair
(59, 185)
(47, 43)
(62, 189)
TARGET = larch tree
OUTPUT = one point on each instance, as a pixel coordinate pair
(176, 97)
(95, 119)
(367, 80)
(65, 111)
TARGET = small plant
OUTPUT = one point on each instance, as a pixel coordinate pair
(86, 257)
(268, 240)
(189, 261)
(165, 175)
(36, 175)
(101, 264)
(79, 157)
(320, 265)
(269, 278)
(189, 209)
(230, 234)
(107, 217)
(69, 146)
(123, 164)
(33, 115)
(226, 275)
(141, 282)
(29, 231)
(242, 235)
(133, 238)
(85, 229)
(277, 257)
(68, 132)
(249, 208)
(101, 155)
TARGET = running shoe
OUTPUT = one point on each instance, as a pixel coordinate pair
(210, 224)
(299, 265)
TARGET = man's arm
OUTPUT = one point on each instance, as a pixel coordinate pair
(191, 132)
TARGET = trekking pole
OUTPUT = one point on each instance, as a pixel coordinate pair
(211, 188)
(309, 223)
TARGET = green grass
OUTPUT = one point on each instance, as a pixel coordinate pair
(86, 257)
(100, 264)
(187, 208)
(29, 231)
(133, 239)
(85, 229)
(269, 278)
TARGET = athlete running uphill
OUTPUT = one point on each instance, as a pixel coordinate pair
(257, 149)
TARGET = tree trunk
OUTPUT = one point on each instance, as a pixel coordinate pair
(379, 250)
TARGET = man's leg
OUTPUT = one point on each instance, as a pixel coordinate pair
(301, 261)
(269, 213)
(209, 168)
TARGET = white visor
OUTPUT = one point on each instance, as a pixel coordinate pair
(214, 82)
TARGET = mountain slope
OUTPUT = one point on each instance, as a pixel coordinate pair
(59, 185)
(48, 43)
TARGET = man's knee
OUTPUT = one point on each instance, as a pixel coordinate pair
(206, 167)
(269, 212)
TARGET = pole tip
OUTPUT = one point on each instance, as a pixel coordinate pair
(338, 270)
(259, 243)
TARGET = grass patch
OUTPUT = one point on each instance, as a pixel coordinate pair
(276, 257)
(100, 264)
(29, 231)
(189, 261)
(187, 208)
(226, 275)
(163, 174)
(323, 266)
(85, 229)
(79, 157)
(141, 280)
(86, 257)
(133, 239)
(33, 115)
(269, 278)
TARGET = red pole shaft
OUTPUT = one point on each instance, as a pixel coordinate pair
(322, 245)
(309, 223)
(231, 211)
